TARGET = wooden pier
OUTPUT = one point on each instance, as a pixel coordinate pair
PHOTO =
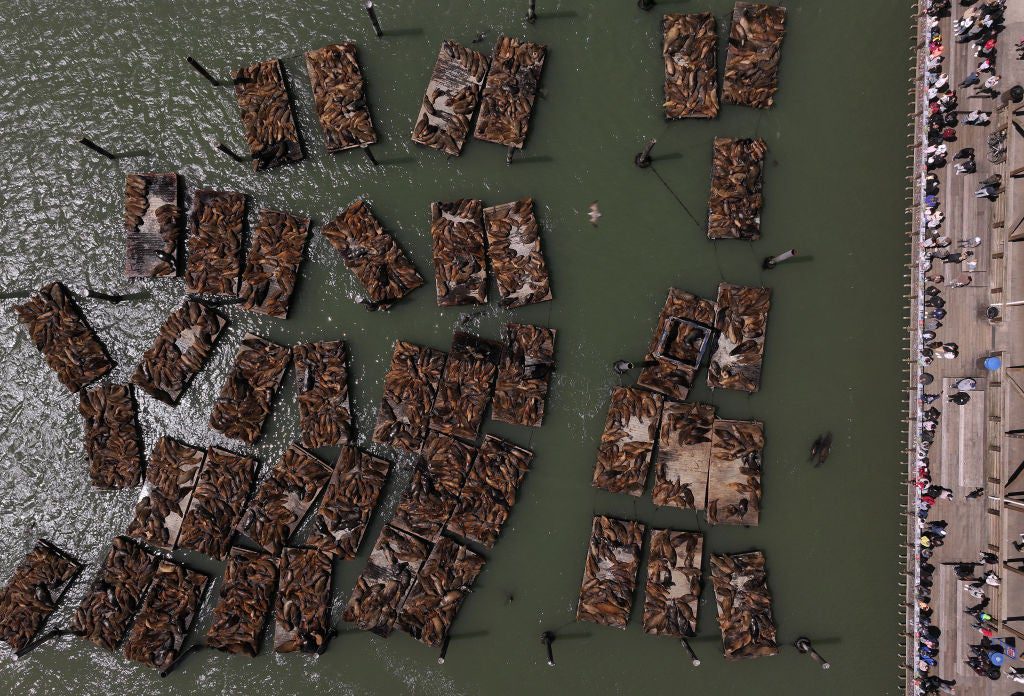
(238, 620)
(152, 225)
(215, 242)
(33, 593)
(248, 391)
(737, 176)
(166, 616)
(266, 113)
(222, 489)
(689, 48)
(677, 349)
(524, 375)
(321, 383)
(673, 583)
(272, 265)
(513, 247)
(112, 437)
(302, 609)
(506, 104)
(451, 98)
(340, 95)
(171, 479)
(752, 63)
(744, 605)
(433, 493)
(627, 443)
(742, 320)
(410, 386)
(734, 478)
(348, 503)
(683, 456)
(460, 261)
(465, 388)
(609, 577)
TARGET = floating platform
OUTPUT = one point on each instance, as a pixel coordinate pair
(152, 225)
(171, 479)
(744, 605)
(222, 489)
(240, 616)
(460, 258)
(57, 328)
(166, 617)
(627, 442)
(215, 242)
(506, 104)
(524, 375)
(673, 583)
(752, 62)
(372, 255)
(302, 610)
(689, 47)
(513, 246)
(340, 95)
(410, 387)
(272, 266)
(609, 577)
(248, 391)
(267, 117)
(444, 581)
(736, 198)
(33, 592)
(179, 351)
(348, 503)
(433, 493)
(115, 594)
(465, 387)
(451, 98)
(112, 438)
(490, 490)
(681, 339)
(734, 480)
(742, 321)
(684, 455)
(283, 498)
(321, 380)
(385, 581)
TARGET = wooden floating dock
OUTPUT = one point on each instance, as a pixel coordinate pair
(451, 98)
(524, 375)
(179, 351)
(744, 605)
(410, 387)
(684, 332)
(33, 592)
(222, 489)
(152, 225)
(609, 578)
(734, 479)
(348, 503)
(737, 177)
(673, 583)
(284, 497)
(115, 594)
(302, 610)
(267, 116)
(460, 260)
(489, 493)
(752, 62)
(689, 47)
(510, 91)
(513, 246)
(238, 620)
(684, 455)
(372, 255)
(248, 391)
(171, 478)
(433, 493)
(59, 331)
(111, 435)
(465, 387)
(321, 380)
(340, 95)
(166, 617)
(444, 581)
(627, 442)
(385, 581)
(272, 266)
(215, 242)
(742, 321)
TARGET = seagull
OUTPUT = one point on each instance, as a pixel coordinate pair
(594, 214)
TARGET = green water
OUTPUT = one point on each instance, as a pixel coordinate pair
(833, 188)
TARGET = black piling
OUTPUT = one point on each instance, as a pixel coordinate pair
(694, 660)
(229, 152)
(196, 647)
(369, 155)
(804, 646)
(202, 71)
(772, 261)
(547, 638)
(645, 5)
(444, 650)
(373, 19)
(96, 148)
(643, 159)
(531, 13)
(46, 637)
(509, 154)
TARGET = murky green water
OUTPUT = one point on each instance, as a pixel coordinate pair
(834, 190)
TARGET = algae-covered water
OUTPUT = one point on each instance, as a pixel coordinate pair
(115, 71)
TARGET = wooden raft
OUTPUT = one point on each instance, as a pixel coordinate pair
(460, 261)
(166, 617)
(302, 610)
(673, 583)
(689, 48)
(609, 577)
(451, 98)
(372, 255)
(524, 374)
(340, 95)
(240, 616)
(112, 439)
(267, 116)
(752, 62)
(737, 178)
(513, 246)
(171, 479)
(677, 349)
(348, 503)
(465, 386)
(321, 381)
(410, 387)
(744, 605)
(433, 493)
(248, 391)
(33, 592)
(684, 455)
(742, 321)
(510, 91)
(224, 484)
(272, 266)
(58, 330)
(734, 480)
(215, 242)
(627, 442)
(152, 225)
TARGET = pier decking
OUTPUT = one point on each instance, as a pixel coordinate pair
(166, 617)
(752, 63)
(673, 583)
(737, 178)
(689, 48)
(171, 479)
(680, 341)
(246, 594)
(302, 609)
(734, 479)
(272, 265)
(609, 577)
(627, 442)
(224, 484)
(152, 225)
(348, 503)
(524, 375)
(215, 242)
(451, 98)
(340, 95)
(410, 387)
(33, 592)
(112, 439)
(247, 393)
(506, 103)
(266, 113)
(321, 382)
(744, 605)
(513, 247)
(460, 261)
(742, 320)
(683, 456)
(434, 490)
(466, 384)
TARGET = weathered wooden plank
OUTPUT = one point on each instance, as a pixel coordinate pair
(410, 387)
(166, 617)
(744, 605)
(33, 592)
(302, 610)
(609, 577)
(465, 387)
(739, 354)
(524, 375)
(112, 440)
(673, 583)
(752, 62)
(444, 581)
(248, 391)
(321, 380)
(627, 442)
(677, 348)
(513, 246)
(215, 242)
(339, 92)
(689, 48)
(460, 261)
(152, 225)
(510, 91)
(224, 484)
(737, 177)
(272, 265)
(433, 493)
(451, 98)
(266, 113)
(734, 480)
(240, 616)
(684, 455)
(348, 503)
(171, 479)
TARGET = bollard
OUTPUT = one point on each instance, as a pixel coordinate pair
(444, 649)
(547, 638)
(509, 154)
(229, 152)
(643, 159)
(96, 148)
(531, 14)
(373, 18)
(202, 71)
(369, 155)
(771, 261)
(804, 646)
(693, 656)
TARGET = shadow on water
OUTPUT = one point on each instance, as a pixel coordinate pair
(411, 31)
(396, 160)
